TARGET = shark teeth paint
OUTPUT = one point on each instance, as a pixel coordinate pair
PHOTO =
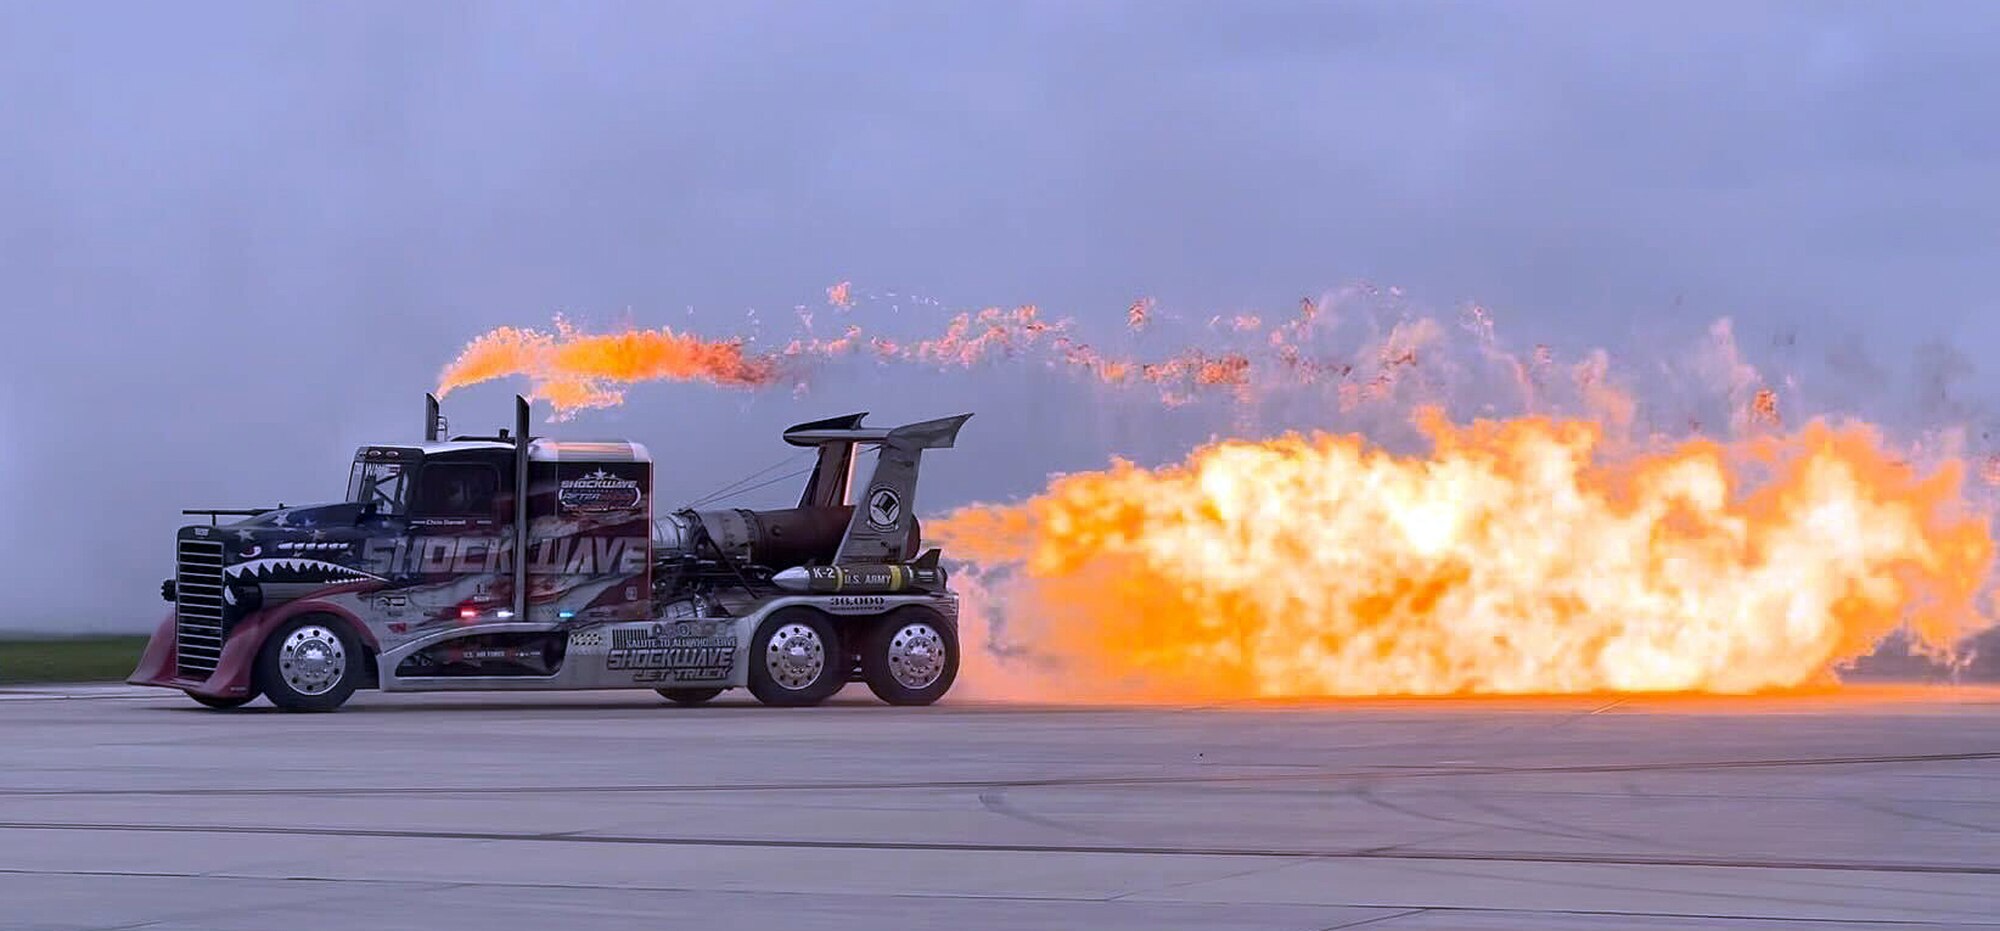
(287, 569)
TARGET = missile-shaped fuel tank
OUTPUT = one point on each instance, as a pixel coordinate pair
(868, 578)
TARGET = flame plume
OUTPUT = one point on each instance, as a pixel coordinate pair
(1571, 540)
(1520, 556)
(572, 369)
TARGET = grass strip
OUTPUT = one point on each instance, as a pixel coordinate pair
(102, 658)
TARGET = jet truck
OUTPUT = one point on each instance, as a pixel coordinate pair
(518, 562)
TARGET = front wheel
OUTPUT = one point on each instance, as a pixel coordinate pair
(309, 663)
(911, 657)
(222, 703)
(688, 697)
(795, 658)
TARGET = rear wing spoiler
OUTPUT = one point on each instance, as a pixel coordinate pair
(885, 515)
(838, 438)
(928, 434)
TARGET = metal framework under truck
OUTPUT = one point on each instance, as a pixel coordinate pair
(517, 562)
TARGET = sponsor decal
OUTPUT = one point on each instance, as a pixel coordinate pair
(598, 492)
(686, 652)
(471, 555)
(885, 506)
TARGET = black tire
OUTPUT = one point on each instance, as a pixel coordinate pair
(780, 687)
(220, 703)
(887, 656)
(688, 697)
(300, 681)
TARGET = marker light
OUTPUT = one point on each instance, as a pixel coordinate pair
(503, 614)
(466, 614)
(565, 615)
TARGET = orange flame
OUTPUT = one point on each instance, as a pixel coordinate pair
(572, 369)
(1522, 556)
(838, 295)
(1137, 314)
(1538, 554)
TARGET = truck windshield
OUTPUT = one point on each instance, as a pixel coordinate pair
(379, 484)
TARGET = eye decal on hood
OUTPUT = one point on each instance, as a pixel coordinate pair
(296, 571)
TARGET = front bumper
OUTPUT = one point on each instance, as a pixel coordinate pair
(159, 666)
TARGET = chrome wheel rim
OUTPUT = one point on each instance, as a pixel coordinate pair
(916, 656)
(312, 660)
(795, 656)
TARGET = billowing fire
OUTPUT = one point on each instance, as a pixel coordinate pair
(1575, 539)
(1521, 556)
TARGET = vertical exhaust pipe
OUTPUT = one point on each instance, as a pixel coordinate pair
(430, 418)
(521, 441)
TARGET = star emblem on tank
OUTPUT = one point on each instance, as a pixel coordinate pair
(245, 536)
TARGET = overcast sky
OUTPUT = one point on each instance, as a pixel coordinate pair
(237, 240)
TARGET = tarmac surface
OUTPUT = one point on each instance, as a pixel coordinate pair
(128, 808)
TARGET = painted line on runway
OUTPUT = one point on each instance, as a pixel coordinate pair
(570, 837)
(1378, 773)
(1408, 909)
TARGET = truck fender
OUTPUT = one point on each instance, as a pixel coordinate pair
(156, 663)
(233, 670)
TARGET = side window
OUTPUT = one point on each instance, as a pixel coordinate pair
(456, 489)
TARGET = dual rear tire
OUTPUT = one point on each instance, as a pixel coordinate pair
(910, 656)
(798, 657)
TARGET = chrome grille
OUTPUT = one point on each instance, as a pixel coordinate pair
(198, 608)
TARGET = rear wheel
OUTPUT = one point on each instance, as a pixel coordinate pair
(222, 703)
(310, 663)
(688, 697)
(910, 657)
(796, 658)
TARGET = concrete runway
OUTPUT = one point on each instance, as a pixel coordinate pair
(126, 808)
